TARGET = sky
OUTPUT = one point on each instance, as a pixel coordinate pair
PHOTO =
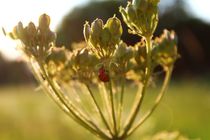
(13, 11)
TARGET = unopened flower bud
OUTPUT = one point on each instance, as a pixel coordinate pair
(140, 4)
(13, 34)
(20, 30)
(44, 22)
(31, 30)
(57, 55)
(123, 52)
(165, 51)
(131, 12)
(114, 26)
(105, 37)
(97, 27)
(86, 31)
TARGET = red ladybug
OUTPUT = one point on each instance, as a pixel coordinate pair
(103, 75)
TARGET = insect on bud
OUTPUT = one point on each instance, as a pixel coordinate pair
(103, 75)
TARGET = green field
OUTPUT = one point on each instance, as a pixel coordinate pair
(26, 114)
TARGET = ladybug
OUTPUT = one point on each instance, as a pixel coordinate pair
(103, 75)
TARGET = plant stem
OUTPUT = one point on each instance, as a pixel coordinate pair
(106, 100)
(79, 117)
(99, 109)
(138, 101)
(157, 101)
(113, 108)
(121, 103)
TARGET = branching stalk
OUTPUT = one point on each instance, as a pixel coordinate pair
(99, 110)
(157, 101)
(73, 111)
(113, 108)
(139, 99)
(120, 109)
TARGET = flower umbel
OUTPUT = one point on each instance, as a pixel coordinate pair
(89, 82)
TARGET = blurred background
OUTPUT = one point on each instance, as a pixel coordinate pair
(26, 113)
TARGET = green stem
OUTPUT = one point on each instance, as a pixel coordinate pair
(99, 109)
(106, 100)
(157, 101)
(139, 100)
(113, 108)
(121, 103)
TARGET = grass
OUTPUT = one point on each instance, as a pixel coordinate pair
(27, 114)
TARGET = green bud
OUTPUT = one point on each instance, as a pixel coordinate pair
(140, 5)
(20, 31)
(165, 51)
(123, 53)
(81, 58)
(93, 60)
(87, 31)
(131, 12)
(44, 22)
(31, 30)
(105, 37)
(13, 34)
(97, 27)
(57, 55)
(114, 26)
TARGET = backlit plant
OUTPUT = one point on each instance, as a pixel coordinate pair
(89, 82)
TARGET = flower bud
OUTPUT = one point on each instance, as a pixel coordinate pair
(131, 12)
(140, 5)
(165, 51)
(14, 34)
(141, 17)
(31, 30)
(123, 52)
(86, 31)
(20, 31)
(97, 27)
(105, 38)
(44, 22)
(114, 26)
(81, 58)
(58, 56)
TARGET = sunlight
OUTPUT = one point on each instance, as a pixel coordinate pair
(200, 8)
(13, 11)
